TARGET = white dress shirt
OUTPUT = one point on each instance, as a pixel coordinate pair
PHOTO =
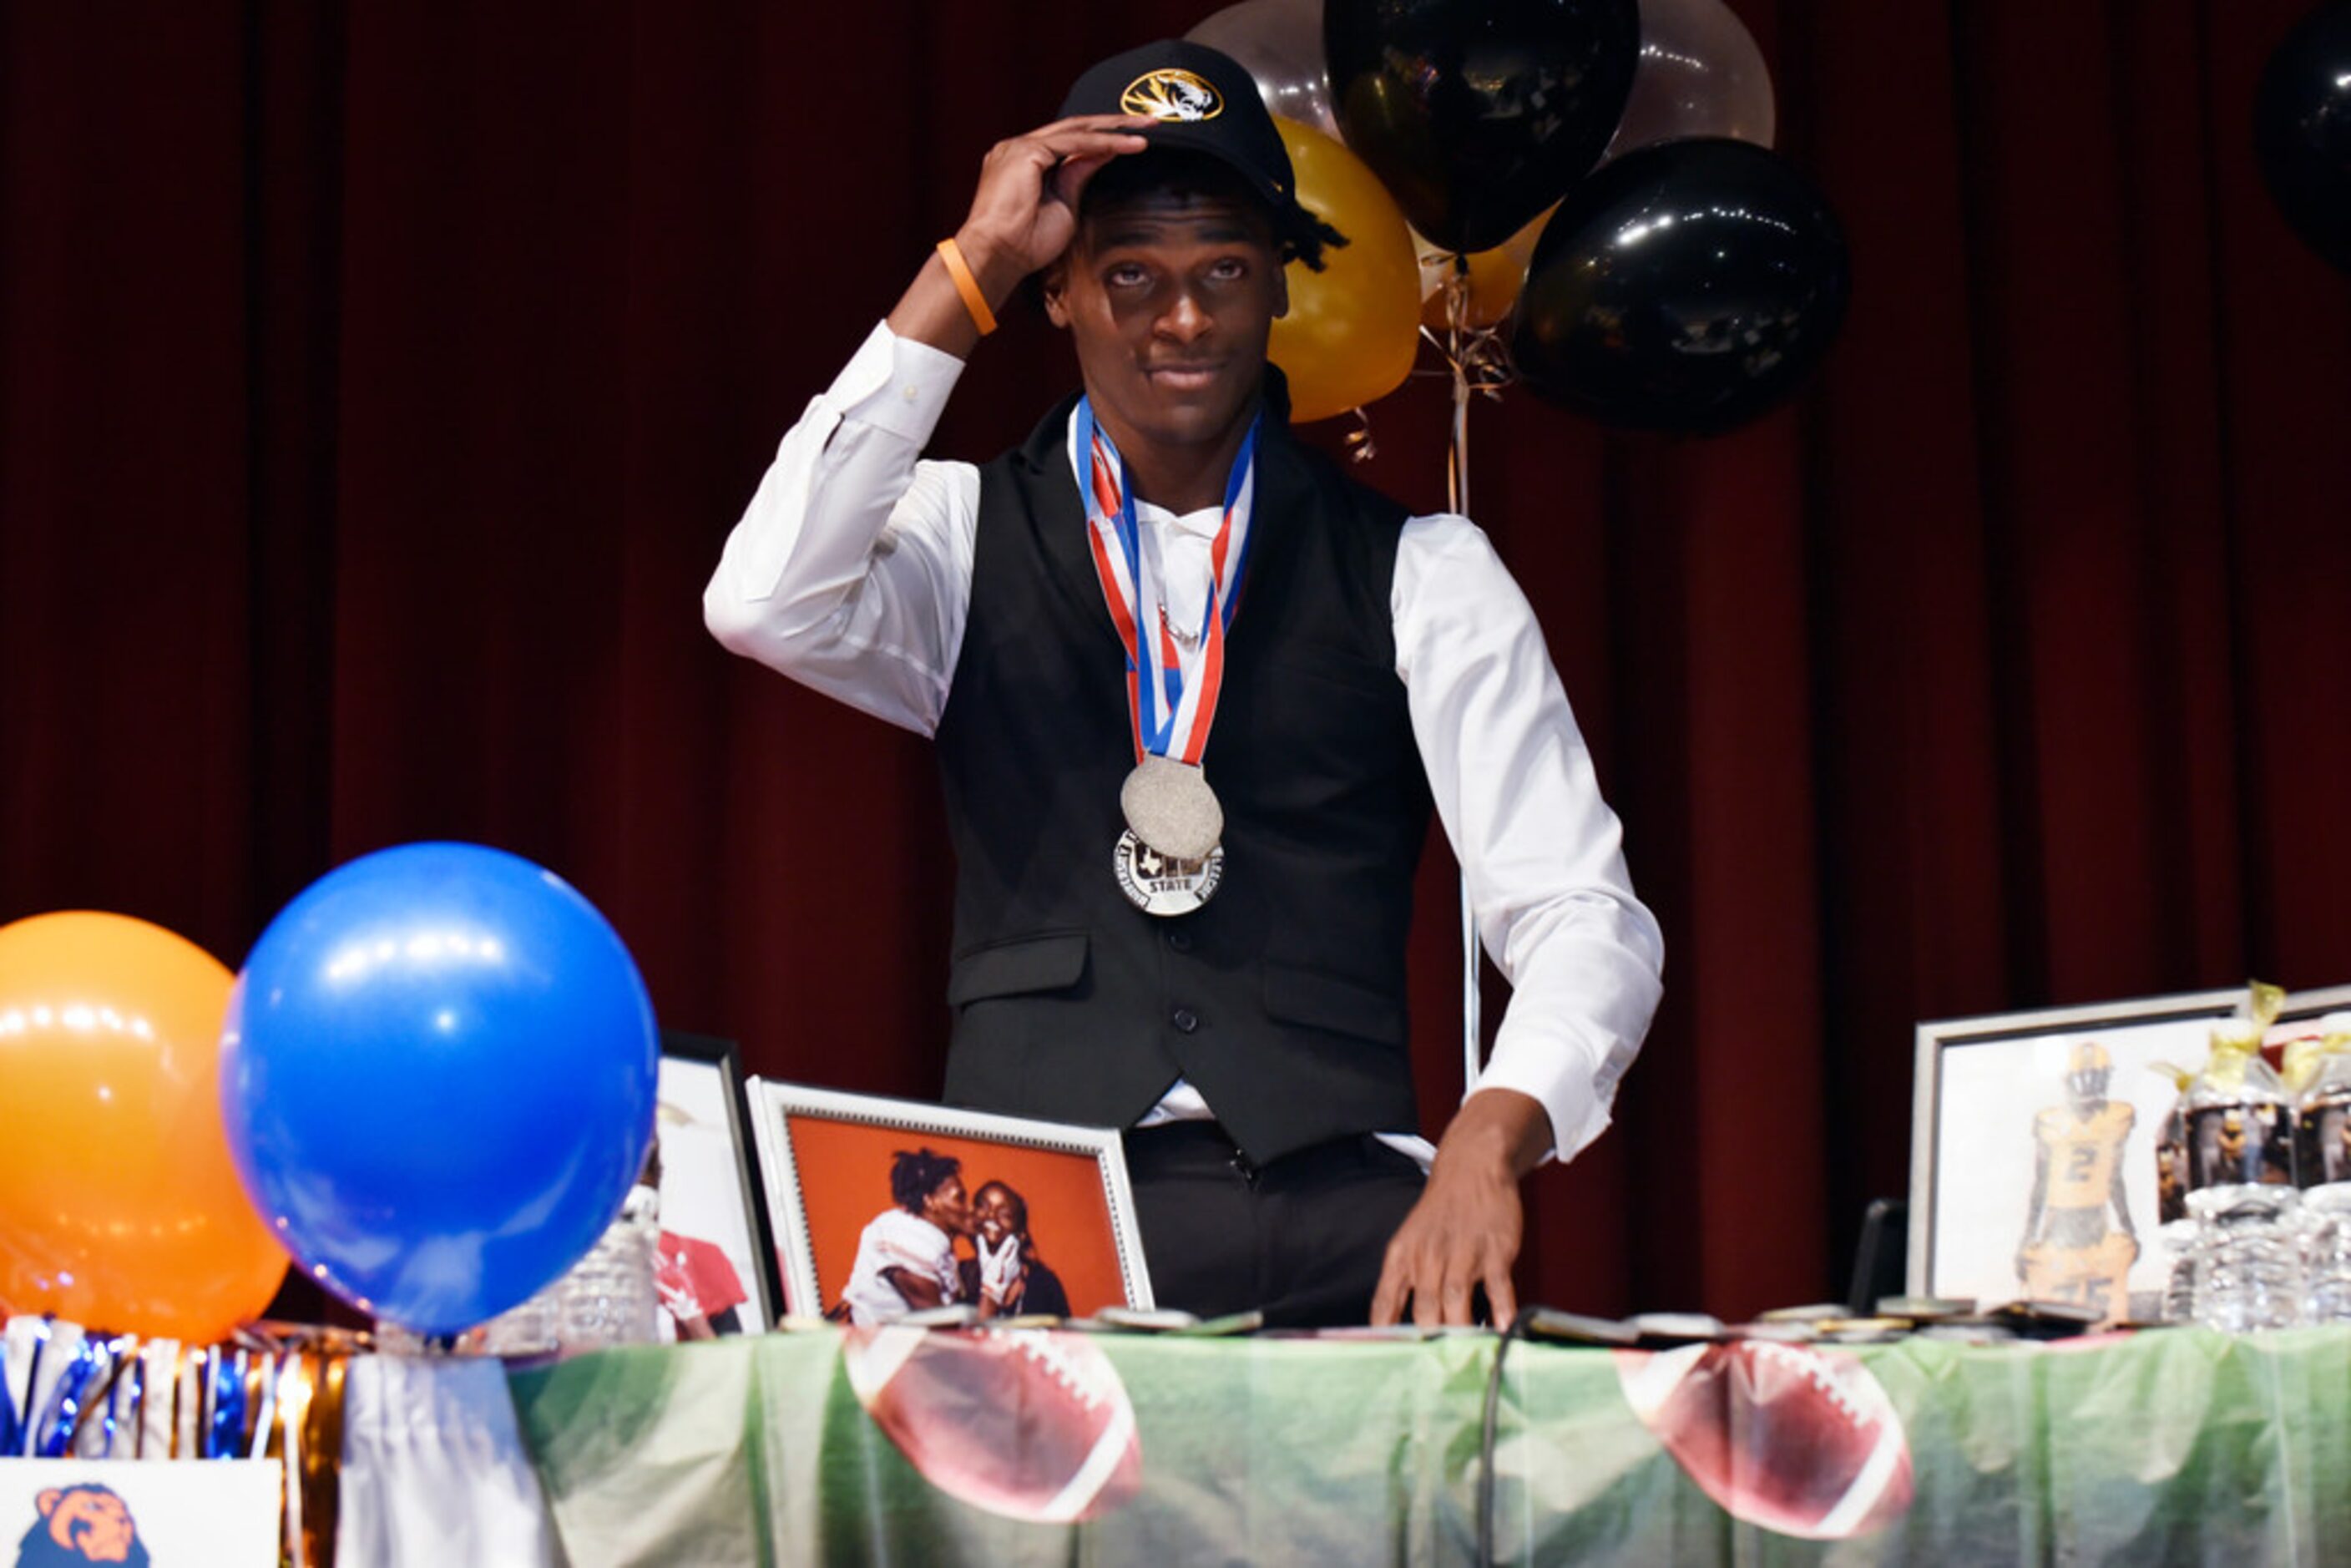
(851, 573)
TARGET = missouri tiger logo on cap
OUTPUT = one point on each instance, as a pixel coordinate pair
(1172, 93)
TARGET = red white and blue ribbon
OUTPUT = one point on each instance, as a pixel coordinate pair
(1171, 692)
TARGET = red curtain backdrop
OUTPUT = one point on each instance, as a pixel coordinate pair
(377, 385)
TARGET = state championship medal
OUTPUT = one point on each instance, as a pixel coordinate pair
(1170, 858)
(1169, 805)
(1161, 885)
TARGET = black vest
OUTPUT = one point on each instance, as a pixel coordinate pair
(1283, 1000)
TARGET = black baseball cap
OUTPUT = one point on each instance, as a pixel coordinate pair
(1205, 102)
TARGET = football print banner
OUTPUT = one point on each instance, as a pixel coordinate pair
(991, 1446)
(1800, 1441)
(1030, 1424)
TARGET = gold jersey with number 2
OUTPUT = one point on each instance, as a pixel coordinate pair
(2082, 1152)
(2074, 1251)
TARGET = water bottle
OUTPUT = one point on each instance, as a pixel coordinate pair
(2326, 1235)
(526, 1329)
(2249, 1263)
(2239, 1117)
(2319, 1070)
(2182, 1240)
(609, 1297)
(2171, 1152)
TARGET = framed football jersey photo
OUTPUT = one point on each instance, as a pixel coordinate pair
(887, 1208)
(2034, 1174)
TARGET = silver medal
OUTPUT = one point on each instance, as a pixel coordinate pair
(1169, 805)
(1161, 885)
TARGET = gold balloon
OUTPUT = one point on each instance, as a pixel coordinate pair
(1354, 329)
(1495, 277)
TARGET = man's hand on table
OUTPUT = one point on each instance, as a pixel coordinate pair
(1465, 1231)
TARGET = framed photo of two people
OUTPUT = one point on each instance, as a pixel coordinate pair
(887, 1207)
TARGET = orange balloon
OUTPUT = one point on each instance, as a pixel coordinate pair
(1496, 275)
(1354, 329)
(120, 1207)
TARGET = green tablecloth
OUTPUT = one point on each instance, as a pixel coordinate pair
(2173, 1447)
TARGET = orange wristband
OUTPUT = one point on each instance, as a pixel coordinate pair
(967, 285)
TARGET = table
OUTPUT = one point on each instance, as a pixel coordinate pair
(2178, 1446)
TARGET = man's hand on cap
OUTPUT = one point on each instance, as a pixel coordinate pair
(1025, 211)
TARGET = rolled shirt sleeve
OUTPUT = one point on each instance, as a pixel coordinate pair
(851, 569)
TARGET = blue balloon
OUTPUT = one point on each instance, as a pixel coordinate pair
(438, 1074)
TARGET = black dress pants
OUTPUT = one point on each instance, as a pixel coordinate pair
(1301, 1237)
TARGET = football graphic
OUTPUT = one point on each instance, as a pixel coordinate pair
(1796, 1440)
(1029, 1423)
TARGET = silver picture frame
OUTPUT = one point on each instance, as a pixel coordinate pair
(807, 1196)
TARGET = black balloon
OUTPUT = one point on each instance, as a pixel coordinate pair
(2302, 131)
(1477, 114)
(1687, 286)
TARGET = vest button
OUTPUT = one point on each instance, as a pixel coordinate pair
(1180, 940)
(1185, 1019)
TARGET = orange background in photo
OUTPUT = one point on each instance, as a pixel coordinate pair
(844, 1173)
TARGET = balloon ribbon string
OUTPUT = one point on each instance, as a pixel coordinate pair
(1457, 457)
(1479, 364)
(1475, 356)
(1476, 359)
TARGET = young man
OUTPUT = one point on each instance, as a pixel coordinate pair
(905, 1255)
(1195, 693)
